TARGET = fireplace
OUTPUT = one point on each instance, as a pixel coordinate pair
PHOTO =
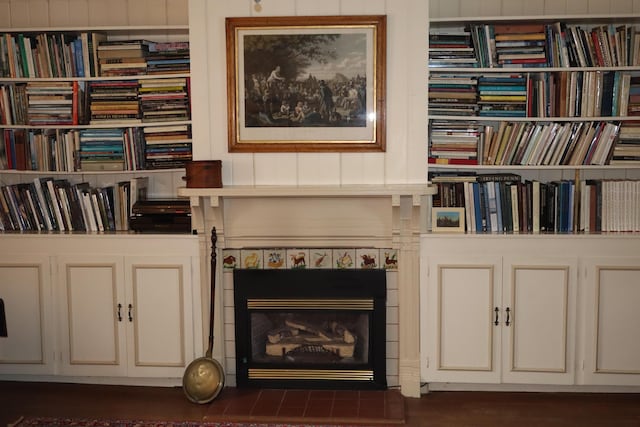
(310, 328)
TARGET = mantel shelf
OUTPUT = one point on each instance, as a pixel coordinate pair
(303, 191)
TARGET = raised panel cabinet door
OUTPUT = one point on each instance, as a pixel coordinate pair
(464, 341)
(92, 313)
(612, 321)
(538, 339)
(159, 316)
(25, 288)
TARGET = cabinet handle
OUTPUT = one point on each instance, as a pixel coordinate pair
(497, 311)
(130, 317)
(507, 322)
(119, 312)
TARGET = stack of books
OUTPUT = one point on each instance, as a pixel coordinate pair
(454, 142)
(101, 150)
(451, 49)
(452, 95)
(522, 45)
(52, 103)
(164, 100)
(167, 147)
(502, 95)
(114, 101)
(168, 58)
(123, 58)
(627, 149)
(632, 98)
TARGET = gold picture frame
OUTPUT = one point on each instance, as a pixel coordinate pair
(306, 83)
(447, 220)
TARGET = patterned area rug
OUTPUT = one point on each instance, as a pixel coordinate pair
(82, 422)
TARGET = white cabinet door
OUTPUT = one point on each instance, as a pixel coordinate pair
(159, 315)
(463, 341)
(25, 288)
(612, 321)
(538, 306)
(92, 315)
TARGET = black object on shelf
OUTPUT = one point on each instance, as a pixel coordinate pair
(3, 320)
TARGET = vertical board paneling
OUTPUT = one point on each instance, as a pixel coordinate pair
(491, 8)
(598, 6)
(113, 12)
(177, 12)
(38, 13)
(576, 7)
(434, 9)
(147, 12)
(78, 12)
(621, 6)
(533, 8)
(470, 7)
(315, 7)
(275, 169)
(362, 7)
(318, 169)
(5, 13)
(20, 13)
(636, 6)
(555, 7)
(357, 168)
(449, 8)
(59, 13)
(513, 7)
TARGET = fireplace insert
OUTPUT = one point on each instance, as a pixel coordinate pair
(310, 328)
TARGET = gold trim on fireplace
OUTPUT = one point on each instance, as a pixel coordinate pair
(310, 304)
(310, 374)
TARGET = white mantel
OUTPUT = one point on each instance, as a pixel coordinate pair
(379, 216)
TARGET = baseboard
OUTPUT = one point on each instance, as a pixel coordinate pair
(433, 387)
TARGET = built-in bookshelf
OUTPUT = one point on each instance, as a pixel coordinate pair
(528, 116)
(78, 100)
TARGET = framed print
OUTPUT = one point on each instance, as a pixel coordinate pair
(314, 83)
(449, 220)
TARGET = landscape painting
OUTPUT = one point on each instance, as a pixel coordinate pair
(316, 86)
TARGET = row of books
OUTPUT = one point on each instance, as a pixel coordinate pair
(554, 94)
(87, 54)
(111, 149)
(504, 203)
(522, 143)
(48, 204)
(140, 57)
(41, 103)
(535, 45)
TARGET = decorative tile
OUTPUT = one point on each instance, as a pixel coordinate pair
(367, 258)
(251, 258)
(275, 258)
(320, 258)
(230, 258)
(344, 258)
(297, 258)
(389, 259)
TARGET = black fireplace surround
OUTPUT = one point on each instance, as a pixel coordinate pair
(310, 328)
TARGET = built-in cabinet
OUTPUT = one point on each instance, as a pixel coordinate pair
(25, 287)
(94, 307)
(530, 309)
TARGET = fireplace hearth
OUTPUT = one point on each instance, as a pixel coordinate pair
(310, 328)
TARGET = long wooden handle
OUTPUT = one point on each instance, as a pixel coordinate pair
(214, 240)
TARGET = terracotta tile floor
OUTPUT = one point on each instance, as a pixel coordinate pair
(308, 406)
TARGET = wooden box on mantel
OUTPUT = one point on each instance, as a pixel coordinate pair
(204, 174)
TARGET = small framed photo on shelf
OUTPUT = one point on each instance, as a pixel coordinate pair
(447, 220)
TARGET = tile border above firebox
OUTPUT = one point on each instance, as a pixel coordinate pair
(301, 258)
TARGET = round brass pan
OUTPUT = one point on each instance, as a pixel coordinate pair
(203, 380)
(204, 377)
